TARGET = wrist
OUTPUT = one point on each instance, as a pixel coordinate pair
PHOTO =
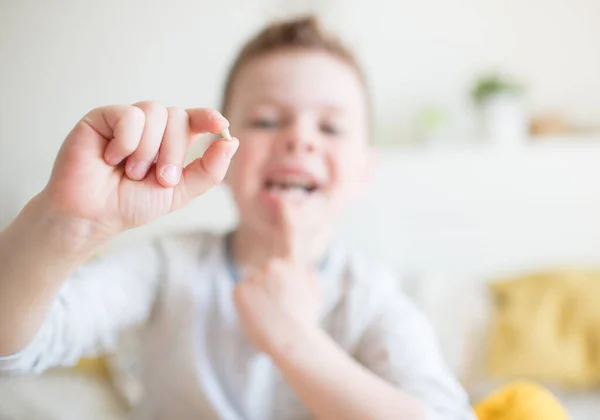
(294, 342)
(66, 234)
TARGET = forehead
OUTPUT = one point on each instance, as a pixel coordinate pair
(299, 78)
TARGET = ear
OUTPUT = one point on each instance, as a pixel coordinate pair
(371, 161)
(366, 172)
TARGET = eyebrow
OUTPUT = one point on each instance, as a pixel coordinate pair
(270, 101)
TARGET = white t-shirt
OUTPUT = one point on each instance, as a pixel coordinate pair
(196, 362)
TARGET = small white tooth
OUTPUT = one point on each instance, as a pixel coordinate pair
(226, 135)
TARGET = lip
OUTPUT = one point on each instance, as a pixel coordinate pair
(272, 198)
(286, 170)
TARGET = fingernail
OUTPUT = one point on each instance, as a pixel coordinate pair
(170, 173)
(140, 169)
(231, 151)
(113, 160)
(217, 117)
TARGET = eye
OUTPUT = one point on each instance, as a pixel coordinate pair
(265, 123)
(330, 129)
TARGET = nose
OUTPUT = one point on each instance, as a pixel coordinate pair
(300, 137)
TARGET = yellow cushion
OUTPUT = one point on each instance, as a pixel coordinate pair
(95, 366)
(547, 327)
(520, 401)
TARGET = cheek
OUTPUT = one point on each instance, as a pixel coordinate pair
(246, 167)
(345, 166)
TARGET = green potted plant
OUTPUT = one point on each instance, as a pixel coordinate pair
(431, 124)
(489, 86)
(503, 116)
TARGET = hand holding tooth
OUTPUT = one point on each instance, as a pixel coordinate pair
(122, 166)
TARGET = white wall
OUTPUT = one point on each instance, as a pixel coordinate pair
(482, 212)
(59, 59)
(427, 52)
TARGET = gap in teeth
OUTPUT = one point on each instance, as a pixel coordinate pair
(289, 186)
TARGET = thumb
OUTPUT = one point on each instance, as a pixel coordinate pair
(207, 171)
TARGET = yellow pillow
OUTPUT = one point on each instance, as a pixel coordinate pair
(546, 326)
(95, 366)
(520, 401)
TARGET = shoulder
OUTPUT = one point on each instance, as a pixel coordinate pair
(379, 293)
(369, 288)
(375, 294)
(372, 279)
(373, 304)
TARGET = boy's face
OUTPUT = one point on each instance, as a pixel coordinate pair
(301, 117)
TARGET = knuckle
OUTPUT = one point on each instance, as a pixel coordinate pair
(153, 109)
(146, 104)
(128, 147)
(134, 114)
(177, 114)
(213, 177)
(157, 109)
(213, 114)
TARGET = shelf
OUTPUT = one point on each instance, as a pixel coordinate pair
(575, 144)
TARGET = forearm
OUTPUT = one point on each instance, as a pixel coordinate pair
(38, 251)
(333, 385)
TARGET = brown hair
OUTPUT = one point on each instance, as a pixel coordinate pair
(302, 33)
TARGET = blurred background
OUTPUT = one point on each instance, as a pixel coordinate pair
(487, 125)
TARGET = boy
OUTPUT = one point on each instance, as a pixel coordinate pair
(269, 321)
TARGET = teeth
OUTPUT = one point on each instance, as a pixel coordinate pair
(291, 181)
(289, 187)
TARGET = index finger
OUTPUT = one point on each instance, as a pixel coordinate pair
(290, 237)
(206, 120)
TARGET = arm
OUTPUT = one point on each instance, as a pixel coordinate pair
(279, 307)
(333, 385)
(108, 177)
(38, 251)
(396, 371)
(276, 307)
(86, 314)
(400, 346)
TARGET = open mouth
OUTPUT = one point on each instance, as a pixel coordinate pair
(292, 183)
